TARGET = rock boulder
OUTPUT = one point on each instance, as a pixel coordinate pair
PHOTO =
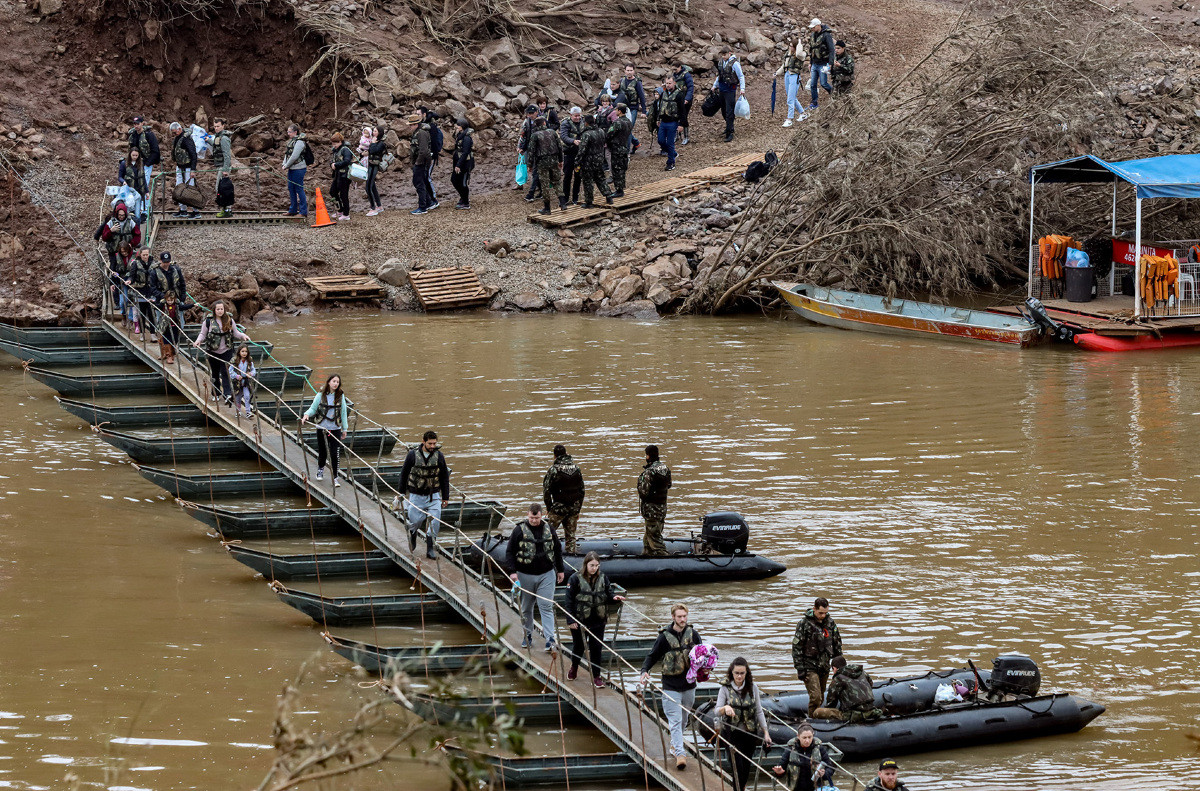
(393, 272)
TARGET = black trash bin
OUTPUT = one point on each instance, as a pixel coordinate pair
(1079, 283)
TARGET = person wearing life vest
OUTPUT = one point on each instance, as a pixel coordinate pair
(424, 487)
(816, 642)
(535, 554)
(183, 154)
(463, 161)
(117, 229)
(806, 761)
(821, 58)
(222, 155)
(843, 68)
(667, 110)
(296, 160)
(217, 336)
(731, 84)
(329, 411)
(791, 69)
(851, 696)
(562, 492)
(137, 280)
(887, 779)
(652, 487)
(142, 138)
(590, 597)
(130, 173)
(673, 646)
(341, 157)
(741, 724)
(631, 93)
(683, 78)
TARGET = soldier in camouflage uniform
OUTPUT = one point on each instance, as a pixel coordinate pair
(851, 697)
(843, 69)
(618, 135)
(562, 491)
(816, 643)
(546, 149)
(591, 163)
(652, 487)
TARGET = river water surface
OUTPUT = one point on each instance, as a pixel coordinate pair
(952, 501)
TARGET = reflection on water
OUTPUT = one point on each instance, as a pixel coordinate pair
(952, 501)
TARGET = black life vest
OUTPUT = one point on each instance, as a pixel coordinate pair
(654, 482)
(530, 547)
(142, 143)
(179, 152)
(592, 599)
(425, 475)
(168, 281)
(675, 660)
(341, 163)
(139, 274)
(725, 74)
(668, 104)
(745, 713)
(801, 761)
(218, 157)
(818, 45)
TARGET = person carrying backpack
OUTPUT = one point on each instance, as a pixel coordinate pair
(731, 84)
(436, 141)
(296, 161)
(341, 158)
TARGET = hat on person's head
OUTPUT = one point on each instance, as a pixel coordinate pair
(814, 23)
(888, 763)
(176, 126)
(531, 110)
(137, 119)
(840, 43)
(165, 257)
(415, 118)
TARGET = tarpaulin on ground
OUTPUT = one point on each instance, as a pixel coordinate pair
(1174, 176)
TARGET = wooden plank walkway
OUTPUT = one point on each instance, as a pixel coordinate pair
(638, 732)
(645, 196)
(331, 287)
(447, 288)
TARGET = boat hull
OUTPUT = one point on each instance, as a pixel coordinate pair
(820, 307)
(167, 450)
(252, 525)
(1092, 342)
(272, 378)
(625, 565)
(446, 658)
(314, 566)
(167, 414)
(232, 484)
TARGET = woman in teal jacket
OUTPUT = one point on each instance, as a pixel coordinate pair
(328, 411)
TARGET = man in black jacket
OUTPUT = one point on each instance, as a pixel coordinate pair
(463, 161)
(674, 646)
(145, 141)
(424, 486)
(183, 153)
(571, 131)
(535, 553)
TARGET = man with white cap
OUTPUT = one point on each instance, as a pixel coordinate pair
(821, 57)
(731, 84)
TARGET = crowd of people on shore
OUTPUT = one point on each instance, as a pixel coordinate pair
(585, 149)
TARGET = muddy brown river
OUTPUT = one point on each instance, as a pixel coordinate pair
(953, 502)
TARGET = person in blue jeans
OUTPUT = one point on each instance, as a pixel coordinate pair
(295, 162)
(673, 646)
(669, 104)
(731, 84)
(821, 58)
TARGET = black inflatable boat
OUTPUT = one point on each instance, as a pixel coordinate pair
(717, 555)
(1010, 709)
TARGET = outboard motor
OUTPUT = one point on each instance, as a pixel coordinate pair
(1035, 313)
(725, 533)
(1015, 674)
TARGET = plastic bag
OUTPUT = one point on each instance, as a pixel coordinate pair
(742, 108)
(200, 138)
(522, 174)
(1077, 258)
(945, 694)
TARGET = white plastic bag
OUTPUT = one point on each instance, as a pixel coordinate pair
(945, 695)
(742, 108)
(200, 138)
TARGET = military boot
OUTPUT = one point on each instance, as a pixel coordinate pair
(562, 202)
(429, 553)
(412, 539)
(545, 206)
(608, 199)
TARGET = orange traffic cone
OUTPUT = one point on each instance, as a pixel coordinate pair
(322, 216)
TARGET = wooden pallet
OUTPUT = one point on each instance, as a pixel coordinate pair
(647, 195)
(447, 288)
(346, 287)
(574, 215)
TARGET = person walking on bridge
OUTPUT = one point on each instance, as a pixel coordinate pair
(740, 721)
(424, 487)
(590, 596)
(535, 553)
(217, 336)
(652, 488)
(674, 646)
(142, 138)
(816, 642)
(329, 410)
(562, 492)
(806, 761)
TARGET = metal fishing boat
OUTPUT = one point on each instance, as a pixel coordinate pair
(86, 383)
(170, 450)
(850, 310)
(129, 416)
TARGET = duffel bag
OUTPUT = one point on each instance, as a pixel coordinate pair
(188, 195)
(712, 104)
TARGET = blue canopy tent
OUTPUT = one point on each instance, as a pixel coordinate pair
(1175, 176)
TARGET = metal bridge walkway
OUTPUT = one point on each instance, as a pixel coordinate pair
(617, 713)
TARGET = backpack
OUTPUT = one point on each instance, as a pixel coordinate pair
(386, 162)
(225, 192)
(759, 169)
(307, 154)
(437, 139)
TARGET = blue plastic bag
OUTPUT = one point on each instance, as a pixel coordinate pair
(522, 174)
(1077, 258)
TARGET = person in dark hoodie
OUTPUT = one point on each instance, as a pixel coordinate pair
(674, 646)
(340, 159)
(375, 154)
(535, 553)
(562, 492)
(183, 153)
(420, 156)
(851, 697)
(463, 161)
(424, 487)
(816, 642)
